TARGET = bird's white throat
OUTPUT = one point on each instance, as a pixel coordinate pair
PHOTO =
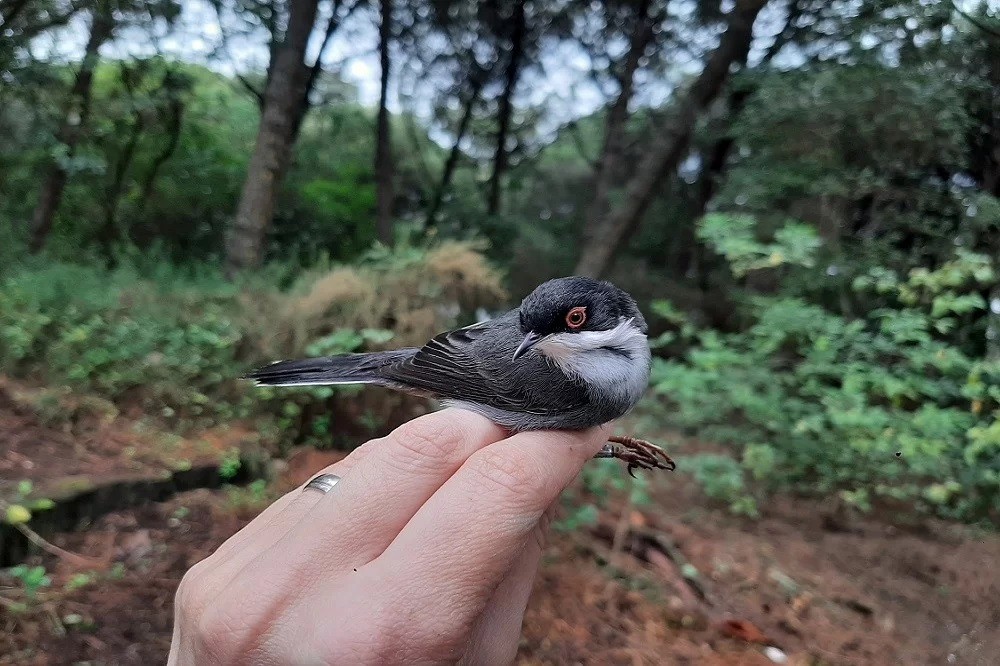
(616, 360)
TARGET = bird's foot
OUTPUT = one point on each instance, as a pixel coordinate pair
(637, 453)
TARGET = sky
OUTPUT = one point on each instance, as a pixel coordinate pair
(563, 84)
(200, 37)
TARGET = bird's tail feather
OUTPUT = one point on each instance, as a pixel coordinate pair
(344, 369)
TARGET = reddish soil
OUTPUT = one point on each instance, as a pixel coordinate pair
(71, 443)
(676, 582)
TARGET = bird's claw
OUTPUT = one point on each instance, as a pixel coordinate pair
(637, 453)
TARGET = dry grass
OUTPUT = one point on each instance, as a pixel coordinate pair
(414, 293)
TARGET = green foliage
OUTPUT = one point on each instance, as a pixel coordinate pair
(18, 510)
(721, 478)
(33, 579)
(821, 402)
(601, 480)
(253, 497)
(80, 580)
(733, 236)
(230, 464)
(169, 343)
(176, 340)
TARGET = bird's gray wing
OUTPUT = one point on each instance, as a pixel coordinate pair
(474, 364)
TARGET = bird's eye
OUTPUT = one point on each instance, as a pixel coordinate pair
(576, 317)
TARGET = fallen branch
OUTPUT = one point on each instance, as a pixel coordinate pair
(688, 571)
(654, 548)
(65, 555)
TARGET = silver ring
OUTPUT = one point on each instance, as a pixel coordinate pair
(323, 482)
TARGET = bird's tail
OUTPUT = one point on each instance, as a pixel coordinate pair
(344, 369)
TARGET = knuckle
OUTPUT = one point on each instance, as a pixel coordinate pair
(428, 441)
(189, 598)
(206, 619)
(508, 469)
(217, 635)
(403, 634)
(540, 534)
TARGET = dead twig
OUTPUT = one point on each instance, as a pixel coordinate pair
(688, 571)
(65, 555)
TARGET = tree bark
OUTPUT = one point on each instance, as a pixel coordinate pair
(714, 159)
(614, 126)
(74, 120)
(383, 139)
(284, 94)
(456, 149)
(501, 155)
(175, 118)
(109, 233)
(332, 24)
(669, 146)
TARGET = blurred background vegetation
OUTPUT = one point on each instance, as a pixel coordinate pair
(804, 195)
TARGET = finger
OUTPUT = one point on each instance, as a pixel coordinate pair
(221, 571)
(274, 522)
(352, 524)
(381, 633)
(218, 570)
(452, 555)
(383, 491)
(497, 632)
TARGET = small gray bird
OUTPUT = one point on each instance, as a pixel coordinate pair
(572, 356)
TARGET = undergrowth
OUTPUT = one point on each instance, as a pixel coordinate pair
(173, 341)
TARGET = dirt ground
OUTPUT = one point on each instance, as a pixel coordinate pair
(64, 443)
(677, 582)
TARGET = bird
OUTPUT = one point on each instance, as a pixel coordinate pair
(573, 355)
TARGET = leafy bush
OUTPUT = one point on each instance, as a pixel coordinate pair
(173, 346)
(389, 298)
(175, 340)
(820, 402)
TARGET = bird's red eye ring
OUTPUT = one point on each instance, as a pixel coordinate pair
(576, 317)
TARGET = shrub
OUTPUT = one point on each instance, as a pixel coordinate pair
(173, 341)
(820, 402)
(171, 347)
(390, 298)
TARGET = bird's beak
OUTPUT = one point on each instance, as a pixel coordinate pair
(530, 340)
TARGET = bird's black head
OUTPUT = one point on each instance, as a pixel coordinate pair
(577, 304)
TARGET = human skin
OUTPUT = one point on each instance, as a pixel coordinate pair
(424, 553)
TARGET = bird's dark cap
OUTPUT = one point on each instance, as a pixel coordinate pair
(544, 310)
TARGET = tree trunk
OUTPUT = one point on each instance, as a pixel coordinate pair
(614, 126)
(332, 24)
(506, 110)
(175, 118)
(668, 147)
(383, 139)
(284, 94)
(456, 149)
(10, 12)
(75, 119)
(109, 233)
(714, 159)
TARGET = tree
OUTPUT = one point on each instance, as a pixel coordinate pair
(613, 147)
(284, 102)
(670, 143)
(76, 113)
(515, 56)
(23, 20)
(383, 137)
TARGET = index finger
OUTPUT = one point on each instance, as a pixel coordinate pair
(455, 550)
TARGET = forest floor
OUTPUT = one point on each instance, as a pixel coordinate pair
(675, 582)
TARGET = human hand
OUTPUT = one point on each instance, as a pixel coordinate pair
(424, 552)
